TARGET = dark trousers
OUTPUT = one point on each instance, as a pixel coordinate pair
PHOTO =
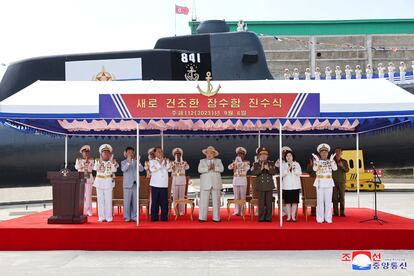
(338, 196)
(159, 199)
(265, 205)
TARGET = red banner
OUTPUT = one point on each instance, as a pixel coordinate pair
(199, 106)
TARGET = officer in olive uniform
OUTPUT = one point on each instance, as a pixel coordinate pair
(312, 173)
(264, 171)
(339, 177)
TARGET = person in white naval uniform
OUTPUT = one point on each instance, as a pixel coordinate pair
(179, 180)
(348, 72)
(159, 168)
(391, 71)
(286, 75)
(308, 74)
(210, 169)
(403, 68)
(240, 167)
(381, 71)
(338, 73)
(105, 168)
(324, 183)
(129, 170)
(317, 73)
(296, 74)
(358, 72)
(328, 73)
(85, 165)
(369, 71)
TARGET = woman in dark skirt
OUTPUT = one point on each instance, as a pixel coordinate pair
(291, 172)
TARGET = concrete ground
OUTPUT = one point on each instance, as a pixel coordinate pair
(397, 201)
(262, 263)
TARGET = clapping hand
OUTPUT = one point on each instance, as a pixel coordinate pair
(129, 158)
(234, 165)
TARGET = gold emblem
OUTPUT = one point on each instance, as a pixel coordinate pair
(104, 76)
(191, 74)
(65, 172)
(210, 89)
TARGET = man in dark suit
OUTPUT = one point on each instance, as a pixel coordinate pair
(264, 171)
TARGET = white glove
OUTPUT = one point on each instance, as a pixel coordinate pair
(315, 157)
(332, 157)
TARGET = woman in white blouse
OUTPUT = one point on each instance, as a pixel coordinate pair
(291, 172)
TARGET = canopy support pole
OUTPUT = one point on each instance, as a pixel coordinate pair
(66, 151)
(357, 167)
(259, 140)
(138, 179)
(280, 177)
(162, 140)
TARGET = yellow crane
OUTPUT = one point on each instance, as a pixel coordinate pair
(366, 178)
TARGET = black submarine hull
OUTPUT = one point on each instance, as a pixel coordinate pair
(26, 157)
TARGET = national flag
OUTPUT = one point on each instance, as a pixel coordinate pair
(181, 10)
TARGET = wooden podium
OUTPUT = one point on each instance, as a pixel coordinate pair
(68, 197)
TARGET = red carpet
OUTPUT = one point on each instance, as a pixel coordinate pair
(345, 233)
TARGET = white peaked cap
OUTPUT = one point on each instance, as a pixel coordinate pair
(105, 147)
(324, 146)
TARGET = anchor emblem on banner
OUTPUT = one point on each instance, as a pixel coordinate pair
(210, 89)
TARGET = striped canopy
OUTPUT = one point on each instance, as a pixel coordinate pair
(73, 108)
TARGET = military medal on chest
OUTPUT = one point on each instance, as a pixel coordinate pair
(179, 167)
(325, 166)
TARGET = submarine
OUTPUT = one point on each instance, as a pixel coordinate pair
(25, 157)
